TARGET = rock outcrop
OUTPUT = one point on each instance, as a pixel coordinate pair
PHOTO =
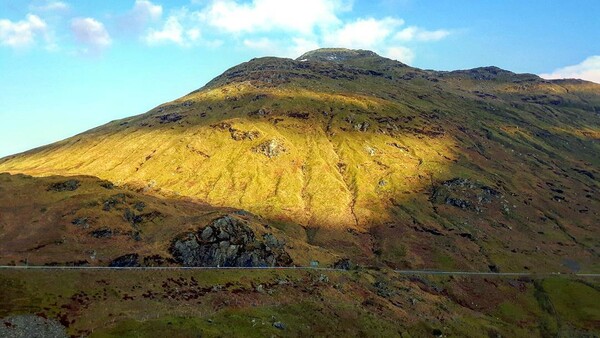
(227, 242)
(465, 194)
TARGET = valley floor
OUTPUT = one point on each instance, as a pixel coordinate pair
(287, 302)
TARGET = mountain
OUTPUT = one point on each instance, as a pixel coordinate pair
(340, 158)
(369, 159)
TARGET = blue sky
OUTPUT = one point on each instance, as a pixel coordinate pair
(67, 66)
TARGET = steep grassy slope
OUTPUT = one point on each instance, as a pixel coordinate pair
(378, 161)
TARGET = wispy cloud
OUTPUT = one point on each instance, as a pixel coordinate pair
(400, 53)
(363, 33)
(19, 34)
(588, 69)
(414, 33)
(277, 27)
(173, 31)
(268, 15)
(49, 6)
(92, 34)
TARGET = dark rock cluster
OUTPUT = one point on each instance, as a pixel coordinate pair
(464, 193)
(69, 185)
(129, 260)
(228, 242)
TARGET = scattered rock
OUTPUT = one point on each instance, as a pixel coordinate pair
(270, 148)
(156, 260)
(81, 222)
(169, 118)
(585, 172)
(107, 185)
(302, 116)
(31, 326)
(494, 268)
(465, 194)
(239, 135)
(69, 185)
(383, 289)
(370, 150)
(279, 325)
(129, 260)
(322, 279)
(260, 112)
(132, 218)
(343, 264)
(113, 201)
(228, 241)
(362, 126)
(102, 233)
(139, 206)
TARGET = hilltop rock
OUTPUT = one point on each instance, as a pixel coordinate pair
(228, 241)
(335, 55)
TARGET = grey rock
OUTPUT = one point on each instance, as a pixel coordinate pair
(31, 326)
(279, 325)
(235, 245)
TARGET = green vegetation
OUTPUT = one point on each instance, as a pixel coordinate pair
(297, 303)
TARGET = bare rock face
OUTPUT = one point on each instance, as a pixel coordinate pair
(228, 242)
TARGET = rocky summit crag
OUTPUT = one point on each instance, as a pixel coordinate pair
(346, 155)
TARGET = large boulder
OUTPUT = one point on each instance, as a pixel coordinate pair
(227, 242)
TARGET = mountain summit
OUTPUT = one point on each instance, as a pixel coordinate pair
(365, 157)
(336, 55)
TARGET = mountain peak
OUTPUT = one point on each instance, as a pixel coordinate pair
(336, 54)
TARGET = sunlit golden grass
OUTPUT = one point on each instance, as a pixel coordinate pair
(336, 179)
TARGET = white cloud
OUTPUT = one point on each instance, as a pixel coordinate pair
(138, 18)
(49, 6)
(91, 33)
(264, 44)
(145, 10)
(22, 33)
(174, 32)
(362, 33)
(283, 48)
(287, 28)
(270, 15)
(588, 70)
(300, 46)
(402, 54)
(418, 34)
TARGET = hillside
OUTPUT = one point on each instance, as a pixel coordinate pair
(363, 157)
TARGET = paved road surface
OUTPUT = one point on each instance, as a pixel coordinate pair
(402, 272)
